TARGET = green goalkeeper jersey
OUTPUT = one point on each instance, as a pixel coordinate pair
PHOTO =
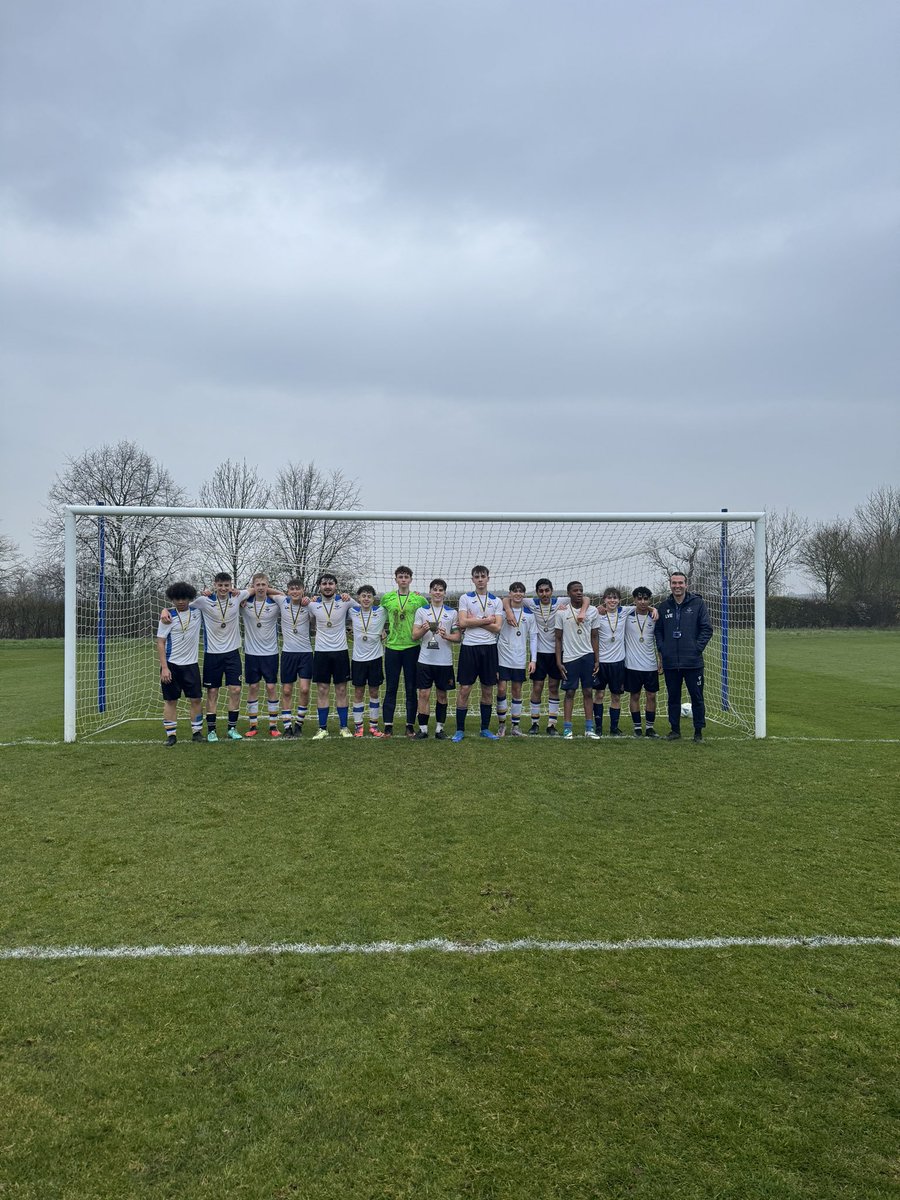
(401, 612)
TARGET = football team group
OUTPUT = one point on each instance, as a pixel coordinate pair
(331, 638)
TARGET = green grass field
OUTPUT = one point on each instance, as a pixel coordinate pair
(741, 1072)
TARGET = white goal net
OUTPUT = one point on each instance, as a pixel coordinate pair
(119, 562)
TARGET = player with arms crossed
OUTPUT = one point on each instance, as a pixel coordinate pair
(435, 628)
(366, 621)
(401, 653)
(577, 656)
(178, 645)
(514, 662)
(641, 663)
(260, 613)
(296, 657)
(331, 661)
(222, 656)
(480, 618)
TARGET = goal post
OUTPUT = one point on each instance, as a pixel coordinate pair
(119, 559)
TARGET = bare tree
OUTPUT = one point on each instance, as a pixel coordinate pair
(823, 554)
(304, 548)
(786, 533)
(11, 562)
(235, 544)
(684, 548)
(875, 545)
(140, 552)
(693, 549)
(696, 551)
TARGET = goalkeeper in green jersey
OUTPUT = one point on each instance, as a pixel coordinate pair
(401, 651)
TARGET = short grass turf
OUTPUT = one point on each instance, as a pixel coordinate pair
(726, 1073)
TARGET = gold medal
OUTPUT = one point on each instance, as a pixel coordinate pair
(640, 639)
(259, 624)
(222, 625)
(328, 623)
(518, 621)
(365, 623)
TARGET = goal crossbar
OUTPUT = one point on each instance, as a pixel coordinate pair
(356, 514)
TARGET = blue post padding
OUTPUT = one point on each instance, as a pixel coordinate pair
(101, 620)
(723, 567)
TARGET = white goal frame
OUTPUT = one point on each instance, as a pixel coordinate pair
(756, 519)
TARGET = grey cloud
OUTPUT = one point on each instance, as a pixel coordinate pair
(481, 207)
(504, 105)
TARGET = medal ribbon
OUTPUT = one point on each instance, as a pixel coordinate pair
(399, 617)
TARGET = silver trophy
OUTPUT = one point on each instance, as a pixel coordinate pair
(432, 643)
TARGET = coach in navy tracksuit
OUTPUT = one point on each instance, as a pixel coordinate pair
(682, 632)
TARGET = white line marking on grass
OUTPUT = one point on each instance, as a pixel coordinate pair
(440, 945)
(879, 741)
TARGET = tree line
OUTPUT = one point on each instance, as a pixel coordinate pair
(853, 563)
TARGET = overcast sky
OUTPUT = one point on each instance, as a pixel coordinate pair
(478, 255)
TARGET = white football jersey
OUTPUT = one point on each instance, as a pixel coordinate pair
(576, 639)
(182, 636)
(545, 622)
(487, 605)
(260, 625)
(511, 640)
(294, 626)
(612, 633)
(640, 643)
(221, 627)
(330, 617)
(366, 628)
(442, 654)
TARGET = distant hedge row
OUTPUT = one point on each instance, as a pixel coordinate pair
(30, 617)
(795, 612)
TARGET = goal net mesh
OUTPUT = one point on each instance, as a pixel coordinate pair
(120, 586)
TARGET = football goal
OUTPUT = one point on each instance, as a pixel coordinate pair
(119, 560)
